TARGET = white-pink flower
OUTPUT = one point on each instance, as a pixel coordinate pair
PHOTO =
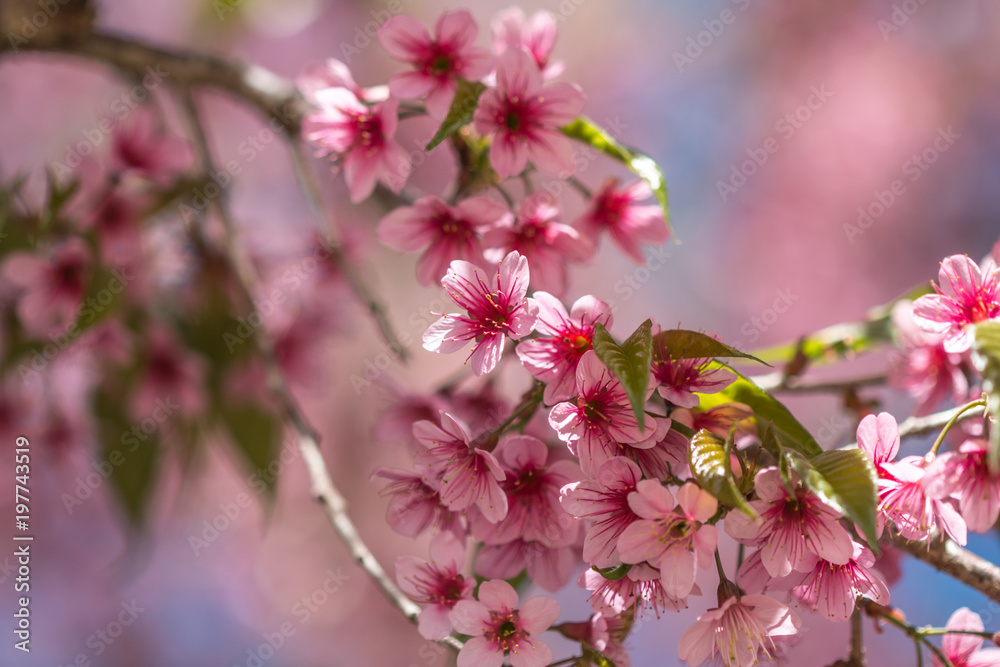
(496, 308)
(965, 296)
(53, 287)
(966, 476)
(414, 505)
(359, 137)
(467, 475)
(511, 29)
(679, 379)
(641, 588)
(140, 145)
(335, 74)
(738, 631)
(966, 650)
(498, 628)
(629, 223)
(523, 117)
(553, 358)
(904, 500)
(549, 568)
(438, 61)
(832, 589)
(437, 585)
(676, 541)
(878, 436)
(445, 233)
(792, 527)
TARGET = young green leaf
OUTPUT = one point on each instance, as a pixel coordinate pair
(615, 572)
(846, 479)
(460, 114)
(255, 433)
(682, 344)
(709, 459)
(629, 361)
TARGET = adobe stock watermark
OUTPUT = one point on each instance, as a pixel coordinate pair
(755, 326)
(784, 129)
(630, 284)
(699, 42)
(101, 639)
(901, 14)
(130, 441)
(915, 167)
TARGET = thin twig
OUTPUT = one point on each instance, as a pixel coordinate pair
(778, 382)
(857, 654)
(920, 425)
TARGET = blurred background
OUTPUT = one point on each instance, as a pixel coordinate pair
(824, 156)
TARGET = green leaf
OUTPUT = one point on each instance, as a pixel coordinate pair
(615, 572)
(709, 459)
(629, 361)
(587, 131)
(846, 479)
(460, 114)
(986, 356)
(255, 433)
(766, 408)
(682, 344)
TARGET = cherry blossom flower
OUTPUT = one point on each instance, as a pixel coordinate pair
(436, 584)
(468, 475)
(443, 232)
(523, 117)
(437, 61)
(966, 650)
(604, 501)
(549, 568)
(171, 376)
(601, 422)
(498, 628)
(832, 589)
(532, 485)
(640, 589)
(604, 633)
(617, 211)
(966, 476)
(719, 420)
(554, 358)
(53, 288)
(359, 138)
(139, 145)
(538, 235)
(511, 29)
(335, 74)
(737, 631)
(922, 367)
(878, 436)
(680, 379)
(415, 506)
(972, 295)
(676, 542)
(495, 309)
(115, 219)
(791, 527)
(667, 458)
(904, 500)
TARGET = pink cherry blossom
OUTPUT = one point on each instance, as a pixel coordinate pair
(335, 74)
(603, 501)
(359, 138)
(495, 309)
(966, 476)
(676, 542)
(629, 223)
(832, 589)
(792, 527)
(532, 485)
(553, 359)
(878, 436)
(719, 420)
(640, 589)
(437, 585)
(523, 117)
(415, 506)
(667, 458)
(437, 61)
(922, 367)
(680, 379)
(966, 650)
(904, 500)
(52, 288)
(140, 145)
(736, 632)
(537, 234)
(443, 232)
(604, 633)
(467, 475)
(511, 29)
(972, 295)
(498, 628)
(171, 378)
(600, 424)
(116, 220)
(549, 568)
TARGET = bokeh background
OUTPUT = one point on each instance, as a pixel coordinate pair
(700, 86)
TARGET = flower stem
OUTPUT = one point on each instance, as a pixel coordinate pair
(951, 422)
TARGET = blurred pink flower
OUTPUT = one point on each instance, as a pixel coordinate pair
(438, 61)
(737, 631)
(549, 568)
(334, 74)
(965, 475)
(140, 145)
(443, 232)
(641, 588)
(437, 585)
(53, 288)
(676, 542)
(966, 650)
(604, 633)
(971, 296)
(511, 29)
(679, 379)
(554, 359)
(538, 235)
(467, 475)
(360, 138)
(495, 309)
(170, 377)
(498, 628)
(116, 220)
(832, 589)
(415, 506)
(904, 500)
(523, 117)
(629, 223)
(791, 529)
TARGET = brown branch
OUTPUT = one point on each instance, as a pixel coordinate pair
(778, 382)
(950, 558)
(920, 425)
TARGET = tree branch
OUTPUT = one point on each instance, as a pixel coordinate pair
(920, 425)
(950, 558)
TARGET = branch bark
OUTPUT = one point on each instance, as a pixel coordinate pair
(948, 557)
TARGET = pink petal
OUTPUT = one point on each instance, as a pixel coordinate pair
(487, 354)
(478, 652)
(640, 541)
(456, 28)
(359, 169)
(497, 595)
(552, 152)
(698, 642)
(508, 154)
(434, 622)
(446, 335)
(538, 614)
(522, 451)
(404, 37)
(531, 652)
(470, 617)
(651, 500)
(439, 100)
(678, 568)
(698, 504)
(411, 85)
(483, 212)
(407, 228)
